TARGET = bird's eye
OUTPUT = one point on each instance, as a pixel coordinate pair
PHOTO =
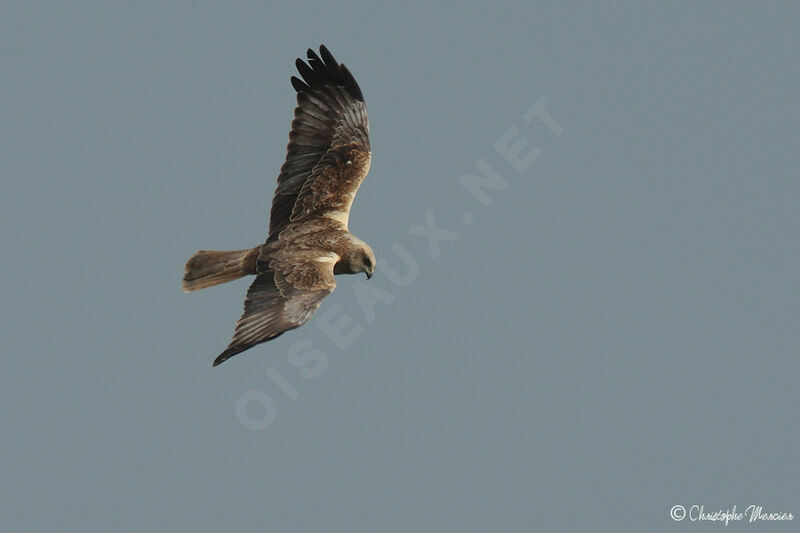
(367, 262)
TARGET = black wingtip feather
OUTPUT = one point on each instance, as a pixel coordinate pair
(227, 354)
(350, 84)
(221, 358)
(298, 85)
(316, 63)
(327, 57)
(322, 71)
(308, 74)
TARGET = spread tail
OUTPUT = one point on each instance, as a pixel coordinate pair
(207, 268)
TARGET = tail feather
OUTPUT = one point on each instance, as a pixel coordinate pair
(208, 268)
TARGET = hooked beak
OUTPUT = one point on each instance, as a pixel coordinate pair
(369, 275)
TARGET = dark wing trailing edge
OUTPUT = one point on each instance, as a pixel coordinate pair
(330, 113)
(278, 301)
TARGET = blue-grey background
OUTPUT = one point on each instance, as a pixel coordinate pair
(615, 334)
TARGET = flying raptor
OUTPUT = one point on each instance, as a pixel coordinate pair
(327, 158)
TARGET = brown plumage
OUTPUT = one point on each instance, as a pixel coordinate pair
(327, 158)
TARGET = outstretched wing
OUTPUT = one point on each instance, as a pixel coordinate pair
(282, 298)
(330, 127)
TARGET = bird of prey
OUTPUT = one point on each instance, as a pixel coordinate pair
(327, 158)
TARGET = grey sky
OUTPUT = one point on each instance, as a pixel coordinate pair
(614, 334)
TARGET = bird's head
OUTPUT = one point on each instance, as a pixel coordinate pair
(358, 258)
(366, 261)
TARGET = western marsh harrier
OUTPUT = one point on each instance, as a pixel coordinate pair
(327, 159)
